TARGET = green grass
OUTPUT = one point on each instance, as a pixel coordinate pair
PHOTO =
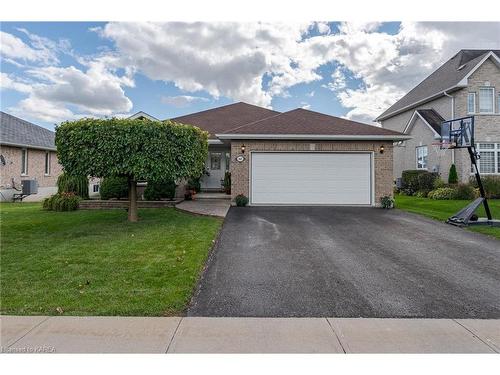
(96, 263)
(443, 209)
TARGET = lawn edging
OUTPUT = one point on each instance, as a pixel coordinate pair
(97, 204)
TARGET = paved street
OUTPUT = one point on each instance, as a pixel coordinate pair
(42, 334)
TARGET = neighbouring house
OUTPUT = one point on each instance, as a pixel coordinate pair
(466, 85)
(296, 157)
(27, 152)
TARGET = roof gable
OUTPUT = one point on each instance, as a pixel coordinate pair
(18, 132)
(451, 75)
(429, 117)
(221, 119)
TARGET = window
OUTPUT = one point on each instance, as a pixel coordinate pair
(489, 161)
(215, 159)
(471, 102)
(486, 99)
(422, 157)
(24, 162)
(47, 163)
(95, 188)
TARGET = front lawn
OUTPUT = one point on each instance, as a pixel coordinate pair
(97, 263)
(443, 209)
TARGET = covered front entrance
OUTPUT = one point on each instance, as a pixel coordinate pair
(217, 164)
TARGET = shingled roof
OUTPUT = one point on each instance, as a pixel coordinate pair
(17, 132)
(447, 76)
(433, 118)
(304, 123)
(221, 119)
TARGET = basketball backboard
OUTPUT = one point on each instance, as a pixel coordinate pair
(458, 133)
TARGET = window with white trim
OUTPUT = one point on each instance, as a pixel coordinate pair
(47, 163)
(24, 162)
(486, 100)
(489, 161)
(421, 157)
(471, 102)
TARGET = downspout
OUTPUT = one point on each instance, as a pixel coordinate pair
(452, 116)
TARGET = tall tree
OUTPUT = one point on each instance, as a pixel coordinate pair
(132, 148)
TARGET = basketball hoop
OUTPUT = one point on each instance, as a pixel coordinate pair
(445, 145)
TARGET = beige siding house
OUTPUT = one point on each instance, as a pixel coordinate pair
(466, 85)
(27, 152)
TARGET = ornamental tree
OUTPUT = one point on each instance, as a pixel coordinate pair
(133, 148)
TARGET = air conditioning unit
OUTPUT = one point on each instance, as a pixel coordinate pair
(30, 187)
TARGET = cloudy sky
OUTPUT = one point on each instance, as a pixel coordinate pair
(51, 72)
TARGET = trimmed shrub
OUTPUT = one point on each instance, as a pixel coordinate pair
(79, 185)
(241, 200)
(62, 202)
(114, 187)
(491, 185)
(157, 190)
(443, 193)
(465, 191)
(453, 175)
(417, 180)
(387, 202)
(438, 183)
(422, 193)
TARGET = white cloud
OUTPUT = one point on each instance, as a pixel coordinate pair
(251, 62)
(390, 65)
(97, 91)
(224, 59)
(8, 83)
(40, 50)
(182, 100)
(305, 105)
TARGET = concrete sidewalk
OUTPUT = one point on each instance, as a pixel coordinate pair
(33, 334)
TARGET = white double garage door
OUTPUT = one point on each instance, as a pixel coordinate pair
(311, 178)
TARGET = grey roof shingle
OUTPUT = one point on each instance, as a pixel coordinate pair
(18, 132)
(445, 77)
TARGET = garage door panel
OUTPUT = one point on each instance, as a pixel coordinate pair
(311, 178)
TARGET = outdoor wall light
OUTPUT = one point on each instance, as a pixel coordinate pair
(242, 148)
(381, 149)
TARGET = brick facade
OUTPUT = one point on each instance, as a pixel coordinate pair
(11, 171)
(487, 126)
(383, 163)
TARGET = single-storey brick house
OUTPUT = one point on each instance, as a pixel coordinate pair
(298, 157)
(27, 152)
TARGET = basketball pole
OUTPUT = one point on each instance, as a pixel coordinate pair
(473, 159)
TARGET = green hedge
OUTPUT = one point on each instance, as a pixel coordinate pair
(79, 185)
(414, 181)
(157, 190)
(62, 202)
(491, 185)
(114, 187)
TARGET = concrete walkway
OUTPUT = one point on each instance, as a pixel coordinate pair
(33, 334)
(209, 207)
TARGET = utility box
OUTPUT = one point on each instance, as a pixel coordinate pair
(399, 183)
(30, 187)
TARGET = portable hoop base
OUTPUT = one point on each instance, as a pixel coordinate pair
(466, 215)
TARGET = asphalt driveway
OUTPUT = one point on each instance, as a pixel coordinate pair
(347, 262)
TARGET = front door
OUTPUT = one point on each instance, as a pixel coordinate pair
(216, 166)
